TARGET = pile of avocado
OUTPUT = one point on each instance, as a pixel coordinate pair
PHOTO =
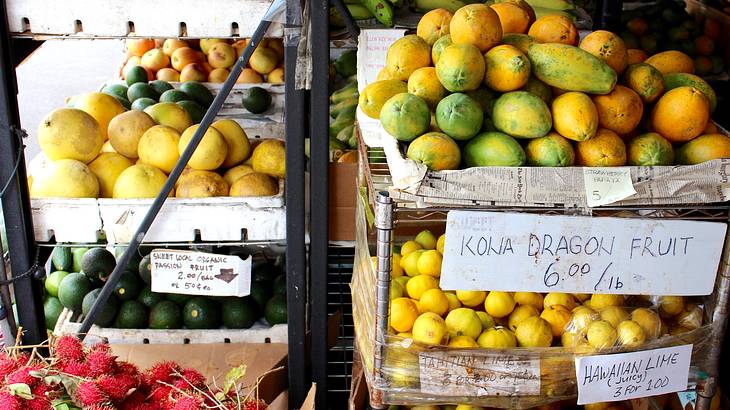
(138, 94)
(81, 272)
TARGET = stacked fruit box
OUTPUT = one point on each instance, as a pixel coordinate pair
(522, 122)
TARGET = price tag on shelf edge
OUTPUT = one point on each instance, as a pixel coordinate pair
(199, 273)
(623, 376)
(607, 185)
(577, 254)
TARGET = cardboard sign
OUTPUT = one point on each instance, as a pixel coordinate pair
(624, 376)
(199, 273)
(479, 373)
(576, 254)
(607, 185)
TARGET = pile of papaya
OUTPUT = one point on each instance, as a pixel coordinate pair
(492, 85)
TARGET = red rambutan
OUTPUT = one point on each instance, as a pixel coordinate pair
(188, 403)
(22, 375)
(194, 377)
(127, 368)
(38, 403)
(254, 405)
(160, 394)
(100, 347)
(163, 372)
(8, 401)
(116, 387)
(7, 365)
(132, 402)
(89, 393)
(75, 368)
(69, 348)
(100, 363)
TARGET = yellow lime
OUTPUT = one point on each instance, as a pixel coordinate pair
(670, 306)
(420, 284)
(497, 338)
(558, 317)
(614, 315)
(463, 342)
(409, 263)
(649, 321)
(467, 407)
(403, 312)
(434, 300)
(396, 270)
(599, 301)
(418, 305)
(429, 329)
(630, 333)
(691, 317)
(396, 290)
(572, 340)
(487, 321)
(409, 247)
(581, 297)
(601, 335)
(453, 301)
(440, 243)
(534, 332)
(521, 313)
(529, 298)
(464, 322)
(429, 263)
(426, 239)
(582, 317)
(471, 298)
(499, 304)
(402, 281)
(555, 298)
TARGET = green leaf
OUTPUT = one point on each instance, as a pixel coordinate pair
(232, 377)
(21, 390)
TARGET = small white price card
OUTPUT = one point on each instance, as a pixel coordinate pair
(518, 252)
(199, 273)
(479, 373)
(633, 375)
(607, 185)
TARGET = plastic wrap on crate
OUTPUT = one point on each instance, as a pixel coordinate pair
(544, 186)
(414, 374)
(260, 332)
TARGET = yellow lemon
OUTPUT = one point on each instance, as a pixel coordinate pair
(429, 329)
(126, 129)
(69, 133)
(599, 301)
(64, 178)
(170, 114)
(426, 239)
(139, 181)
(649, 321)
(614, 315)
(269, 157)
(107, 167)
(158, 146)
(434, 300)
(487, 321)
(463, 342)
(396, 290)
(440, 243)
(572, 340)
(429, 263)
(601, 334)
(582, 317)
(102, 107)
(210, 153)
(521, 313)
(418, 285)
(233, 174)
(529, 298)
(669, 306)
(409, 263)
(534, 332)
(630, 333)
(464, 322)
(395, 268)
(409, 247)
(453, 301)
(402, 280)
(418, 305)
(497, 338)
(471, 298)
(499, 304)
(556, 298)
(558, 317)
(239, 148)
(403, 313)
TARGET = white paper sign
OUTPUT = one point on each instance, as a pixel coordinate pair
(371, 53)
(626, 376)
(607, 185)
(577, 254)
(199, 273)
(479, 373)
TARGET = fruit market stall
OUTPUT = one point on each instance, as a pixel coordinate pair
(505, 152)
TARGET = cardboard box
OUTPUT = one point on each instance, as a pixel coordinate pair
(216, 359)
(342, 201)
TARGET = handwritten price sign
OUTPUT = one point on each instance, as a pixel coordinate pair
(574, 254)
(198, 273)
(634, 375)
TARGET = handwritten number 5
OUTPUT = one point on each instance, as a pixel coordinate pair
(596, 195)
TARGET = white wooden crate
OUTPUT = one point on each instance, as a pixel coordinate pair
(260, 332)
(157, 18)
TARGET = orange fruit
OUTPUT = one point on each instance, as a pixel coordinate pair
(433, 25)
(635, 56)
(512, 17)
(606, 149)
(681, 114)
(672, 61)
(554, 29)
(476, 24)
(704, 148)
(608, 47)
(620, 110)
(704, 45)
(139, 46)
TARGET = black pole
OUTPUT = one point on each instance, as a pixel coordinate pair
(16, 200)
(154, 209)
(319, 165)
(350, 23)
(296, 261)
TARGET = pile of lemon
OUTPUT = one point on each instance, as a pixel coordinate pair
(422, 311)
